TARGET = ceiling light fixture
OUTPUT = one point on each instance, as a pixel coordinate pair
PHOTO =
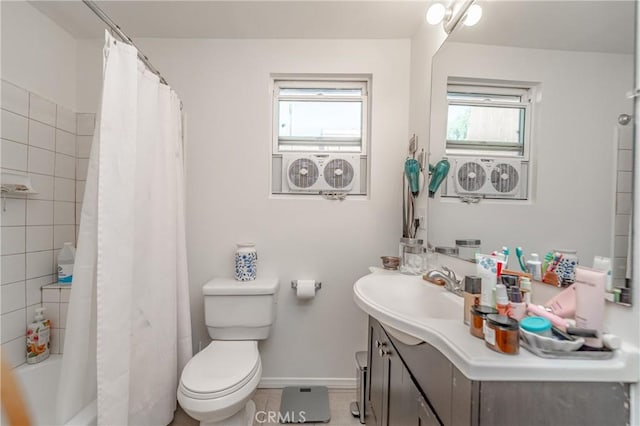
(464, 11)
(436, 13)
(473, 15)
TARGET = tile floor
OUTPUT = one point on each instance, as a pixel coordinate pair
(269, 400)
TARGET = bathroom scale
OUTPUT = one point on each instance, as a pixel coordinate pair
(305, 404)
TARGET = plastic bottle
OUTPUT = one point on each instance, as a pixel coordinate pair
(534, 267)
(66, 258)
(563, 304)
(502, 300)
(38, 333)
(590, 285)
(517, 308)
(526, 288)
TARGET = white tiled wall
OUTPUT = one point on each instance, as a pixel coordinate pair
(85, 126)
(39, 138)
(623, 204)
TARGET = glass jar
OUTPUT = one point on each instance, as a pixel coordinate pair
(412, 257)
(502, 334)
(246, 262)
(477, 321)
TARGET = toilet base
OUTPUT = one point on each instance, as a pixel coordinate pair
(243, 417)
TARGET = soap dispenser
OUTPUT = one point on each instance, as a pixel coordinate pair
(38, 334)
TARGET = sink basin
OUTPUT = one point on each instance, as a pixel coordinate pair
(413, 311)
(410, 295)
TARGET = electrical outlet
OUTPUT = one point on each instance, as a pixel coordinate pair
(421, 215)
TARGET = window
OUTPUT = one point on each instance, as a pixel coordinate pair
(320, 116)
(487, 120)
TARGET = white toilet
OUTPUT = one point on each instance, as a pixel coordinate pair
(217, 384)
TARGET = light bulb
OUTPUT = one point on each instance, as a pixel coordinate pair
(473, 15)
(435, 14)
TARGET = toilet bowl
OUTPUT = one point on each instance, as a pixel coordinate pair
(219, 381)
(216, 385)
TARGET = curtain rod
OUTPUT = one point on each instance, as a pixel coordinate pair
(115, 28)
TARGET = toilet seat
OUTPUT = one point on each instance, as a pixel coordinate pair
(220, 369)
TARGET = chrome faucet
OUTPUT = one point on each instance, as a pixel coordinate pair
(448, 277)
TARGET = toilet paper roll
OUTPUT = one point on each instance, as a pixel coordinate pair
(305, 289)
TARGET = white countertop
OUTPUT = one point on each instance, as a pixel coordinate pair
(431, 314)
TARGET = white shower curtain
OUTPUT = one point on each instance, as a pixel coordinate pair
(128, 332)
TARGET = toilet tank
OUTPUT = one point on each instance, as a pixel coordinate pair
(235, 310)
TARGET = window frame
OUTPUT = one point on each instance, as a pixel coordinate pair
(321, 145)
(483, 148)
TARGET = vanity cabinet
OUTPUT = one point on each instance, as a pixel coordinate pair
(416, 385)
(394, 398)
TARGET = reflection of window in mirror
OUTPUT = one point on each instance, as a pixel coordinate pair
(488, 120)
(488, 138)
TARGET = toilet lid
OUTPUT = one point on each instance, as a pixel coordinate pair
(220, 369)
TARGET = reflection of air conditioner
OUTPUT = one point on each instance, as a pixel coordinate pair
(315, 173)
(487, 178)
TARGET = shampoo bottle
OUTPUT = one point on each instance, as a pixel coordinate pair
(590, 285)
(66, 259)
(38, 334)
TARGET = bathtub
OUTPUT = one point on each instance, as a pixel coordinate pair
(39, 383)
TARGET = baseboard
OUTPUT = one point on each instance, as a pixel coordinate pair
(330, 382)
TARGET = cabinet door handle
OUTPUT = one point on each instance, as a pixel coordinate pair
(382, 352)
(378, 344)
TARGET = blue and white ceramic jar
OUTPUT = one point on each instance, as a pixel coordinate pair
(246, 262)
(566, 269)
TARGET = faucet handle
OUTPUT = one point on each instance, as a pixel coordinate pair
(449, 272)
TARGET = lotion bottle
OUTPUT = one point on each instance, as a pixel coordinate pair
(38, 333)
(563, 304)
(590, 288)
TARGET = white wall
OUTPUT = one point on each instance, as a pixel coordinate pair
(224, 85)
(573, 150)
(37, 54)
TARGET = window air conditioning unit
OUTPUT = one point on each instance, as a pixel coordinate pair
(494, 178)
(316, 173)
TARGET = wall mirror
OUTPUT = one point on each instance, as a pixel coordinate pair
(552, 103)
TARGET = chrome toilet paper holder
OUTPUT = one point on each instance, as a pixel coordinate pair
(294, 284)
